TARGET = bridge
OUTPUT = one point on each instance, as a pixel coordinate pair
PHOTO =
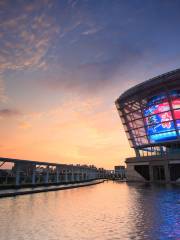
(21, 173)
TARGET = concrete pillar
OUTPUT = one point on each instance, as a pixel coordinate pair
(96, 174)
(57, 174)
(77, 175)
(72, 174)
(91, 174)
(47, 175)
(17, 166)
(34, 174)
(167, 172)
(82, 174)
(66, 175)
(151, 173)
(86, 174)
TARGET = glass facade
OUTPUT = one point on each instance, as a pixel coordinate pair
(151, 116)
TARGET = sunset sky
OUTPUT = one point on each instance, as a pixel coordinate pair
(64, 63)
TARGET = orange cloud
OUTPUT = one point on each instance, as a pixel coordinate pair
(76, 132)
(24, 125)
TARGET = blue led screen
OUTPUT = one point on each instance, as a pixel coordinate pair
(159, 121)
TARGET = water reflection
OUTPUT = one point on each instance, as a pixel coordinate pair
(105, 211)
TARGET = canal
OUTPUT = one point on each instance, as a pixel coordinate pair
(107, 211)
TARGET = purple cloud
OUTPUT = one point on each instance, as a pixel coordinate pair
(7, 112)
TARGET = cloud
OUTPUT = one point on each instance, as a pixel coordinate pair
(24, 125)
(27, 33)
(7, 113)
(92, 77)
(73, 3)
(92, 31)
(3, 96)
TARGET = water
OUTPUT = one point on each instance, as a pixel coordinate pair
(107, 211)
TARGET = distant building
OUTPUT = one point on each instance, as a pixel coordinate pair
(150, 114)
(119, 171)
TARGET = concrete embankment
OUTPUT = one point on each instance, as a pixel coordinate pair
(23, 191)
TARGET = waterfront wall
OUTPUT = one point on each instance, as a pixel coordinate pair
(132, 174)
(154, 169)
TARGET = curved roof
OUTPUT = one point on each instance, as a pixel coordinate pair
(166, 77)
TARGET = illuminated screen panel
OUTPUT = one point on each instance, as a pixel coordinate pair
(159, 120)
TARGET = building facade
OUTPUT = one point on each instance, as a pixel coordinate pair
(150, 114)
(119, 171)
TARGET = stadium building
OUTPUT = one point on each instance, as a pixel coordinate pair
(150, 114)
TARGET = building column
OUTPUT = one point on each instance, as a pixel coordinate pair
(82, 174)
(72, 174)
(151, 177)
(57, 174)
(33, 174)
(66, 175)
(77, 175)
(94, 174)
(18, 168)
(47, 175)
(89, 174)
(167, 172)
(86, 174)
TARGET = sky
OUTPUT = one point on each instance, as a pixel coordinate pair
(63, 63)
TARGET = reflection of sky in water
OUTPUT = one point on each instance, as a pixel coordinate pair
(168, 217)
(106, 211)
(154, 212)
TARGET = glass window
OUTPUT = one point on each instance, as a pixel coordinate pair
(128, 135)
(157, 99)
(125, 127)
(141, 141)
(177, 114)
(178, 124)
(128, 117)
(158, 118)
(160, 128)
(157, 108)
(165, 136)
(123, 120)
(139, 132)
(137, 115)
(136, 123)
(142, 132)
(176, 103)
(120, 113)
(131, 143)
